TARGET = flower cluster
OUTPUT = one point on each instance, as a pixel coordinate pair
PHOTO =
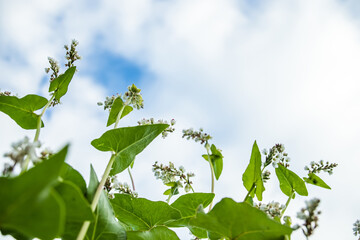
(165, 133)
(356, 228)
(6, 93)
(276, 155)
(20, 150)
(112, 186)
(266, 176)
(134, 97)
(54, 67)
(198, 136)
(169, 174)
(109, 101)
(71, 54)
(272, 209)
(310, 216)
(321, 166)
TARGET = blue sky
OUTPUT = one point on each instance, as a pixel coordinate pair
(271, 71)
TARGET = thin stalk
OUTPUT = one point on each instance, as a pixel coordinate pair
(97, 195)
(248, 194)
(40, 116)
(252, 187)
(118, 117)
(37, 133)
(287, 203)
(192, 189)
(168, 199)
(212, 173)
(95, 201)
(131, 178)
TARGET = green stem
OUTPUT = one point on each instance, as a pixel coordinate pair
(131, 178)
(95, 201)
(37, 133)
(192, 189)
(248, 194)
(212, 173)
(252, 187)
(40, 116)
(168, 199)
(118, 117)
(287, 203)
(96, 198)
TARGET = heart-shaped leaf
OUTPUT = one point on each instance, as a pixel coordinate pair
(127, 142)
(115, 109)
(290, 182)
(239, 221)
(141, 213)
(252, 175)
(60, 84)
(21, 110)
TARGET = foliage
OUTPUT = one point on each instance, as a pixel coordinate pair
(44, 197)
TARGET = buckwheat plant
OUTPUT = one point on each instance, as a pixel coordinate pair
(215, 159)
(173, 178)
(43, 197)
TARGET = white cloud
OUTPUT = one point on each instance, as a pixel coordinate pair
(278, 72)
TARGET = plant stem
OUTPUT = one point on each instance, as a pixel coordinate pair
(95, 201)
(168, 199)
(118, 117)
(37, 133)
(248, 194)
(131, 178)
(212, 173)
(287, 203)
(96, 198)
(252, 187)
(40, 116)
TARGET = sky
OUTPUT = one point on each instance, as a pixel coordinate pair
(272, 71)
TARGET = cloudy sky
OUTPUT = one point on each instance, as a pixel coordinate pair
(272, 71)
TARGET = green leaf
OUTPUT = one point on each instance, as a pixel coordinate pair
(21, 110)
(189, 203)
(142, 214)
(216, 160)
(78, 209)
(70, 174)
(239, 221)
(60, 84)
(105, 226)
(167, 192)
(157, 233)
(127, 143)
(316, 180)
(28, 203)
(115, 109)
(252, 174)
(290, 182)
